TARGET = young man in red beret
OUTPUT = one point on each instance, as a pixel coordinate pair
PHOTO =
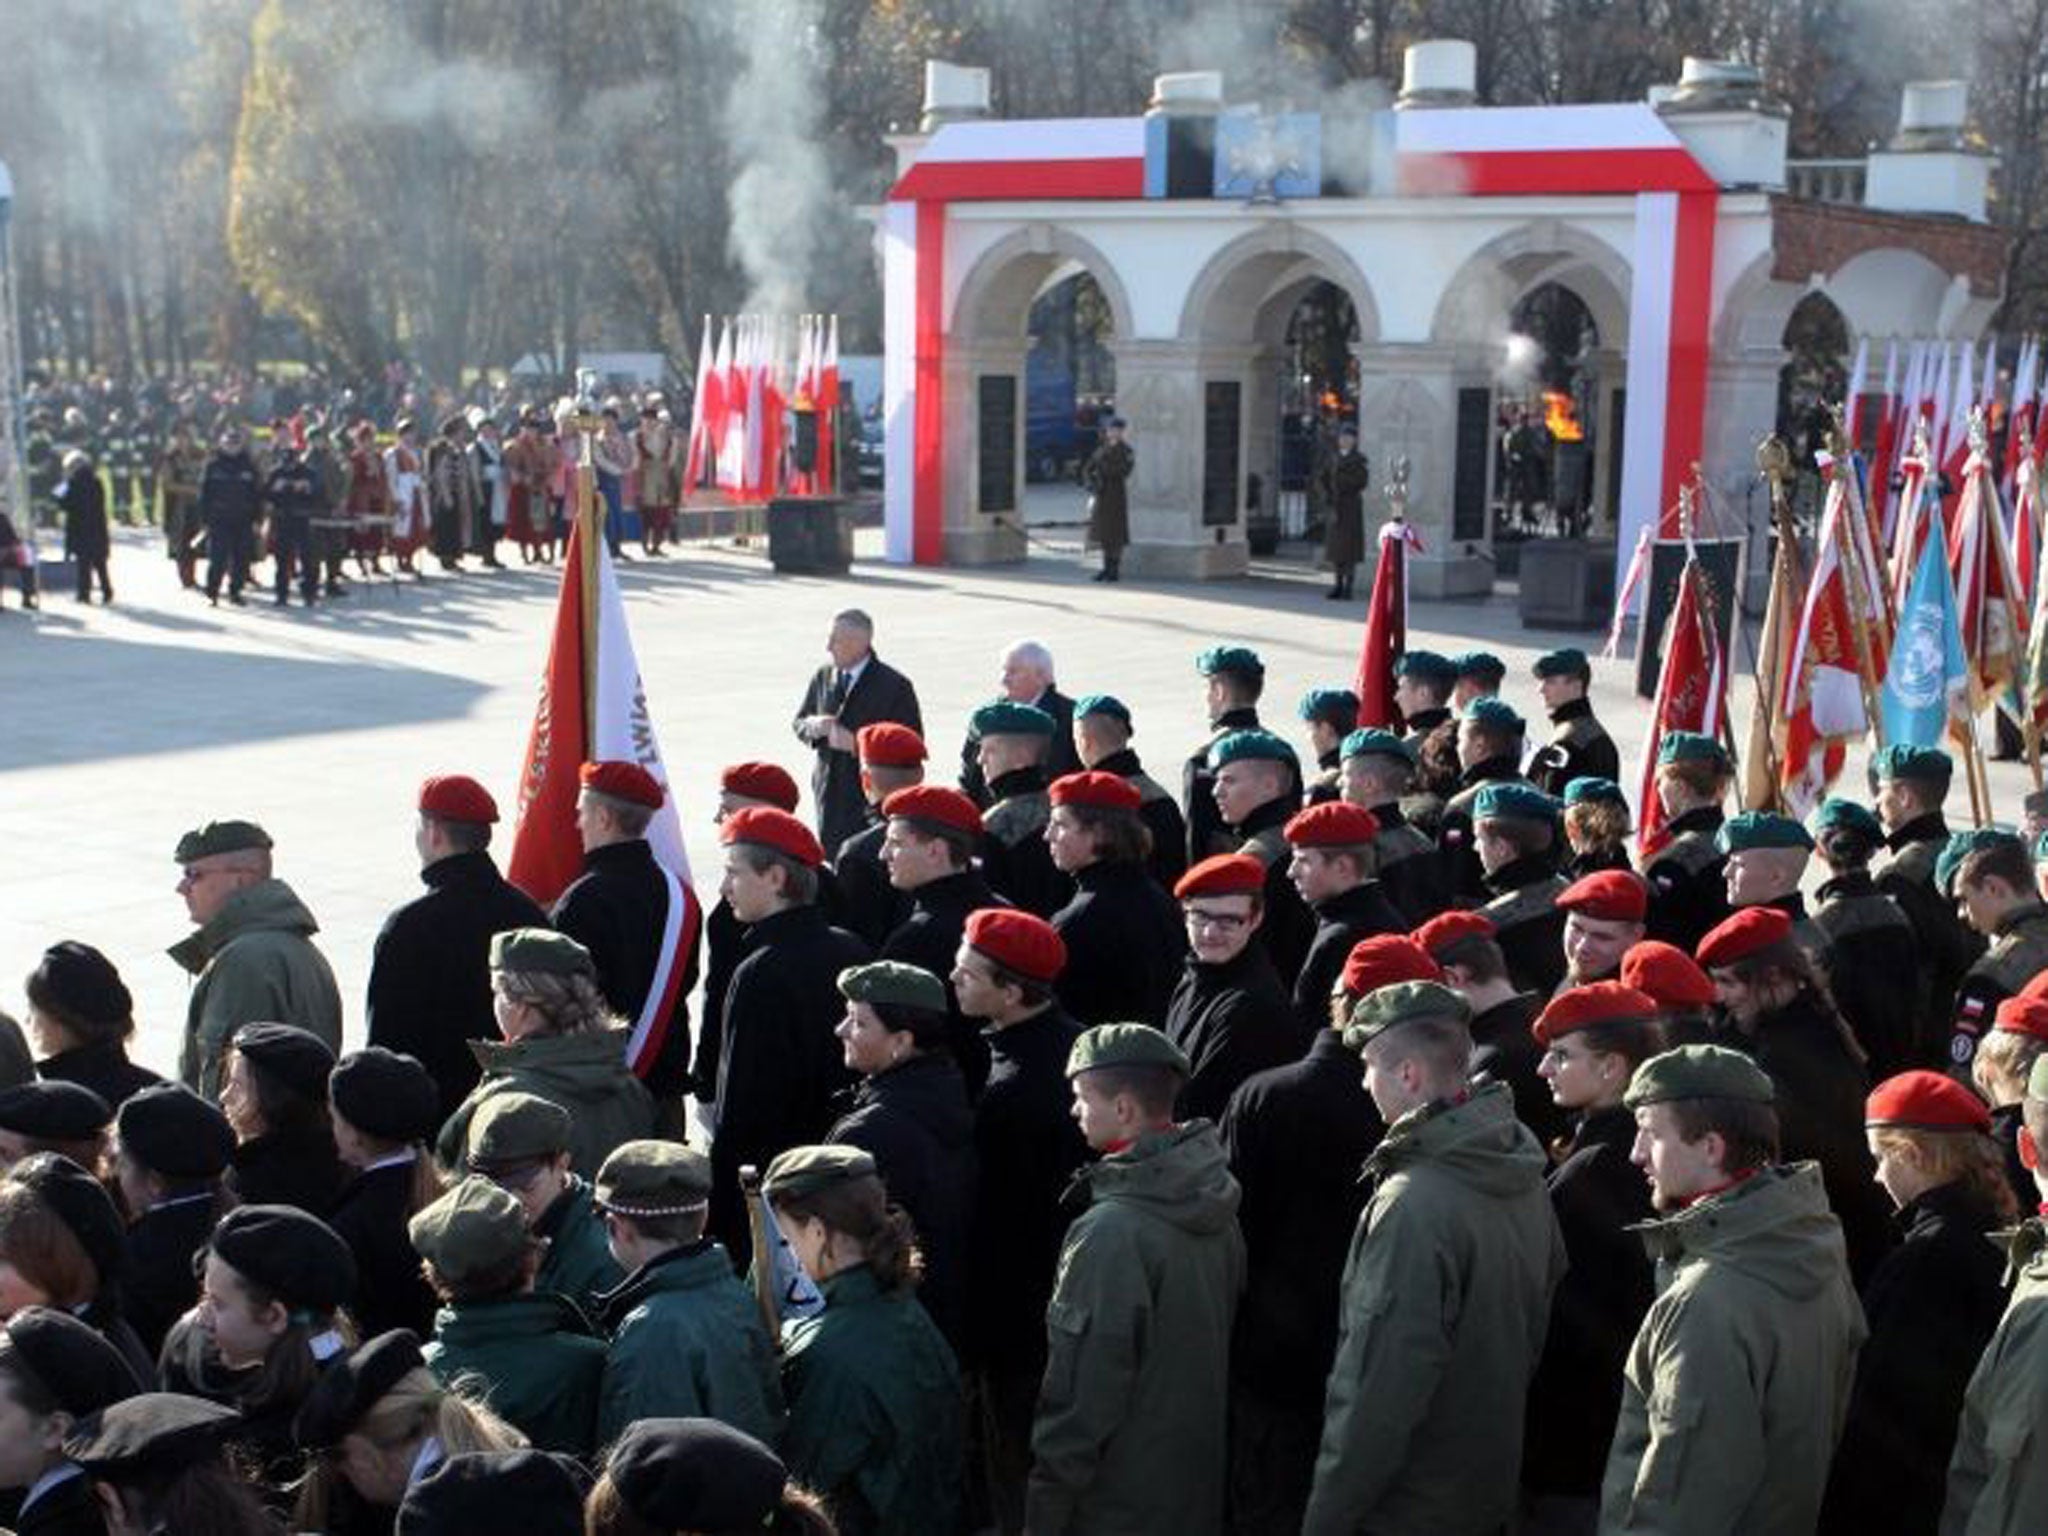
(1124, 938)
(1334, 869)
(430, 969)
(929, 847)
(1230, 1014)
(2018, 1037)
(1603, 917)
(854, 688)
(891, 758)
(1465, 945)
(1684, 993)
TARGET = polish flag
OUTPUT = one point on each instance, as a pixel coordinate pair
(1886, 447)
(705, 406)
(2019, 420)
(1821, 706)
(828, 411)
(1988, 603)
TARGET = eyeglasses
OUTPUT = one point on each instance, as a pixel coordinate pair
(1226, 922)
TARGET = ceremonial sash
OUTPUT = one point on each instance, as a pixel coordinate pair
(650, 1030)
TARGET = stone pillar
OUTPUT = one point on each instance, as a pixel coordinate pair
(1609, 369)
(975, 535)
(1742, 410)
(1408, 407)
(1160, 392)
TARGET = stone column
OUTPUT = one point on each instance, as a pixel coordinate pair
(1408, 407)
(975, 535)
(1160, 389)
(1742, 410)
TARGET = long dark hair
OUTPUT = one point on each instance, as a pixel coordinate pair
(195, 1496)
(858, 1209)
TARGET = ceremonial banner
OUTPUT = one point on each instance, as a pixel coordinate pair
(1386, 629)
(1692, 694)
(1927, 684)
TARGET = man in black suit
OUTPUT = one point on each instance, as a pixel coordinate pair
(855, 688)
(1027, 679)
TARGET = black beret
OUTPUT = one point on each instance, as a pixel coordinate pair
(81, 1203)
(533, 1492)
(696, 1475)
(295, 1257)
(76, 981)
(296, 1057)
(385, 1094)
(151, 1430)
(53, 1111)
(80, 1371)
(172, 1131)
(351, 1387)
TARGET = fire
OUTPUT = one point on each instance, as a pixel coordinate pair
(1560, 418)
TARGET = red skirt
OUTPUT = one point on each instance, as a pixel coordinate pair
(520, 523)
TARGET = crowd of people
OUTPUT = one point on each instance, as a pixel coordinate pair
(1348, 1138)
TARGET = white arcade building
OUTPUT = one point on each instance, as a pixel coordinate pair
(1677, 222)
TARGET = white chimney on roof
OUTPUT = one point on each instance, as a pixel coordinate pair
(1442, 72)
(1930, 165)
(953, 92)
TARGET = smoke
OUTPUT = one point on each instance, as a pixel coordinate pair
(388, 85)
(782, 199)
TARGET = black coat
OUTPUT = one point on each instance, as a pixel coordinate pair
(371, 1218)
(1162, 817)
(230, 492)
(1205, 829)
(1504, 1051)
(879, 693)
(1931, 1306)
(1125, 946)
(1576, 1393)
(869, 905)
(1288, 927)
(1874, 971)
(157, 1283)
(1016, 859)
(1948, 945)
(1298, 1137)
(85, 515)
(1232, 1019)
(1463, 872)
(1027, 1148)
(1060, 756)
(1579, 748)
(1341, 921)
(68, 1509)
(430, 969)
(1522, 906)
(725, 946)
(1411, 869)
(294, 1168)
(1688, 881)
(781, 1064)
(617, 909)
(914, 1120)
(104, 1068)
(930, 937)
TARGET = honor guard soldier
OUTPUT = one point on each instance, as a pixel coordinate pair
(1102, 737)
(892, 757)
(522, 1143)
(1377, 768)
(1684, 993)
(1688, 893)
(1515, 832)
(1489, 752)
(1990, 879)
(1603, 920)
(1874, 963)
(1342, 479)
(1596, 824)
(1011, 746)
(1123, 933)
(1908, 785)
(1579, 746)
(1258, 788)
(1479, 677)
(1423, 681)
(1330, 714)
(1332, 869)
(1234, 678)
(1230, 1014)
(1504, 1048)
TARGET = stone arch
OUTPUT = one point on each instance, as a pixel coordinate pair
(1480, 295)
(1891, 291)
(995, 298)
(1754, 309)
(1254, 282)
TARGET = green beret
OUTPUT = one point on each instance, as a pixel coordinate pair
(1126, 1045)
(540, 949)
(1692, 747)
(1926, 765)
(512, 1128)
(892, 981)
(1101, 704)
(1481, 664)
(806, 1170)
(1377, 743)
(475, 1230)
(1005, 717)
(653, 1178)
(2041, 848)
(1427, 665)
(1568, 661)
(1318, 703)
(1495, 714)
(220, 837)
(1961, 845)
(1698, 1072)
(1594, 791)
(1404, 1002)
(1230, 658)
(1760, 829)
(1511, 799)
(1837, 814)
(1244, 746)
(2037, 1078)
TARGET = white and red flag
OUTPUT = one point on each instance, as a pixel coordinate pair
(1989, 606)
(828, 411)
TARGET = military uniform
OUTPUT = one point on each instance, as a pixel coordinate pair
(1159, 813)
(1341, 921)
(1016, 859)
(1462, 869)
(1997, 1479)
(1410, 869)
(1289, 927)
(1125, 944)
(2018, 953)
(579, 1264)
(1874, 971)
(585, 1074)
(1231, 1019)
(869, 906)
(930, 937)
(1504, 1051)
(1688, 883)
(1206, 833)
(1060, 757)
(1529, 923)
(1579, 748)
(1948, 945)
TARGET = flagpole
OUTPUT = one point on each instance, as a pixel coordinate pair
(1775, 460)
(1851, 556)
(587, 536)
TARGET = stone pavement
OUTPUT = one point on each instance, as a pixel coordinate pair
(126, 725)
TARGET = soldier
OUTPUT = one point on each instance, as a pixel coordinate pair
(1479, 677)
(1332, 869)
(1257, 789)
(1107, 475)
(1122, 932)
(1026, 678)
(1596, 824)
(522, 1144)
(1688, 894)
(1755, 1323)
(2016, 1040)
(1766, 858)
(430, 968)
(230, 501)
(1423, 681)
(1603, 920)
(1874, 962)
(181, 470)
(1102, 740)
(892, 757)
(1376, 768)
(327, 453)
(1343, 478)
(1908, 785)
(1012, 743)
(291, 497)
(170, 1149)
(687, 1341)
(1457, 1244)
(1130, 1431)
(1330, 714)
(1230, 1014)
(1579, 745)
(1489, 753)
(1466, 945)
(1991, 881)
(1515, 835)
(1234, 678)
(1684, 992)
(145, 453)
(855, 688)
(251, 950)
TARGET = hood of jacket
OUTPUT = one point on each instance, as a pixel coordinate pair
(268, 905)
(573, 1064)
(1479, 1142)
(1179, 1174)
(929, 1090)
(1774, 1226)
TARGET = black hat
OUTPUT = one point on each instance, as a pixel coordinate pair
(149, 1431)
(295, 1257)
(81, 1203)
(296, 1057)
(172, 1131)
(385, 1094)
(76, 981)
(696, 1475)
(530, 1491)
(53, 1111)
(80, 1371)
(351, 1387)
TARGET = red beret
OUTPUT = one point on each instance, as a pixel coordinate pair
(623, 781)
(1222, 874)
(760, 781)
(1449, 927)
(885, 744)
(1667, 973)
(1612, 895)
(772, 828)
(1333, 824)
(1597, 1002)
(2023, 1015)
(937, 805)
(1105, 791)
(1017, 941)
(454, 797)
(2038, 987)
(1384, 959)
(1926, 1101)
(1739, 937)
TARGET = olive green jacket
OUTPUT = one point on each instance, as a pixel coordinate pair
(1738, 1381)
(1129, 1433)
(256, 964)
(534, 1359)
(579, 1262)
(586, 1074)
(1445, 1303)
(1998, 1476)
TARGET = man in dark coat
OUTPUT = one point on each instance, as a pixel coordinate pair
(1107, 476)
(855, 688)
(1423, 682)
(1124, 937)
(1489, 753)
(1503, 1014)
(1517, 836)
(781, 1063)
(892, 757)
(430, 968)
(1026, 677)
(1375, 770)
(1234, 677)
(1332, 869)
(1330, 714)
(1908, 786)
(1688, 893)
(1989, 876)
(230, 500)
(1579, 746)
(84, 500)
(1102, 740)
(1258, 788)
(1343, 479)
(1012, 744)
(291, 496)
